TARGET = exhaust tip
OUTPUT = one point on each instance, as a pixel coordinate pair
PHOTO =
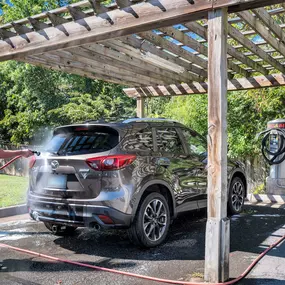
(54, 228)
(97, 227)
(35, 215)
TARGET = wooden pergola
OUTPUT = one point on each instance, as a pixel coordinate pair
(166, 48)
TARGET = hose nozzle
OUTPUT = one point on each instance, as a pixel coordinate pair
(36, 152)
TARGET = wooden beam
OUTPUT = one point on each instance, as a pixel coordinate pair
(62, 68)
(135, 63)
(263, 32)
(150, 15)
(98, 7)
(274, 80)
(56, 20)
(21, 29)
(238, 36)
(217, 229)
(94, 53)
(37, 25)
(270, 23)
(178, 50)
(5, 34)
(76, 13)
(202, 32)
(140, 107)
(147, 47)
(69, 59)
(195, 45)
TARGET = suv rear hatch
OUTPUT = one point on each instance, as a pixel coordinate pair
(62, 171)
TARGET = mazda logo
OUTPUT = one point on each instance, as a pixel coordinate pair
(54, 165)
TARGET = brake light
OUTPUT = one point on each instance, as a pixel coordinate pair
(110, 162)
(32, 161)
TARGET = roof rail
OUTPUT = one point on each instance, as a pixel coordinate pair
(132, 120)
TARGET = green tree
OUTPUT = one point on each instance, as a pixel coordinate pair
(33, 99)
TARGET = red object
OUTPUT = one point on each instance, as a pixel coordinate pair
(9, 162)
(143, 276)
(110, 162)
(105, 219)
(81, 129)
(32, 161)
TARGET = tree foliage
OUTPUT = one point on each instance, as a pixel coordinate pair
(248, 114)
(33, 99)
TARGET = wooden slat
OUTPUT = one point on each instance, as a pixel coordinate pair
(150, 16)
(37, 25)
(68, 58)
(56, 20)
(270, 23)
(166, 44)
(61, 10)
(107, 56)
(199, 74)
(136, 62)
(274, 80)
(202, 32)
(21, 29)
(98, 7)
(238, 36)
(263, 32)
(5, 34)
(60, 67)
(87, 3)
(202, 49)
(76, 13)
(146, 16)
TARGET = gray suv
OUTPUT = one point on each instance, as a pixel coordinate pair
(137, 174)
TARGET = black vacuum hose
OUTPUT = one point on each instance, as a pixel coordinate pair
(273, 157)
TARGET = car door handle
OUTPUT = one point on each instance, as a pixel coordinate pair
(163, 161)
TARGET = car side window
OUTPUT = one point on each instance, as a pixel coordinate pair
(168, 141)
(139, 141)
(197, 145)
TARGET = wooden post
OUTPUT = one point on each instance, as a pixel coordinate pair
(140, 107)
(217, 230)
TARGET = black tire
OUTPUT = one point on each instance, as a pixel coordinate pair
(60, 230)
(150, 228)
(236, 196)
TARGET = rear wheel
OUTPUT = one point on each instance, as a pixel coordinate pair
(151, 224)
(236, 196)
(60, 229)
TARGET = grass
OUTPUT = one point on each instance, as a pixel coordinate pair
(13, 190)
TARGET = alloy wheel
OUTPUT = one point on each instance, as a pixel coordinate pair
(154, 220)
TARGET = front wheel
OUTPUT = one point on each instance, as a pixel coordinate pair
(236, 196)
(152, 221)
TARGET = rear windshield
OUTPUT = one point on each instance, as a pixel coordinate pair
(83, 142)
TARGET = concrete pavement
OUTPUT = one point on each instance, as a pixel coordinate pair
(180, 258)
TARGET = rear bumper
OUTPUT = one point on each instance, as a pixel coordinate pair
(78, 215)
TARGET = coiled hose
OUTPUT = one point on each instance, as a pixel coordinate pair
(277, 156)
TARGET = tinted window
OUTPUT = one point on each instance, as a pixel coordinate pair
(196, 143)
(83, 142)
(139, 141)
(168, 140)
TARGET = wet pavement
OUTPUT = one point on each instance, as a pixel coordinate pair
(180, 258)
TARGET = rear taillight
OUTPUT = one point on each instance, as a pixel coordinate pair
(32, 161)
(110, 162)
